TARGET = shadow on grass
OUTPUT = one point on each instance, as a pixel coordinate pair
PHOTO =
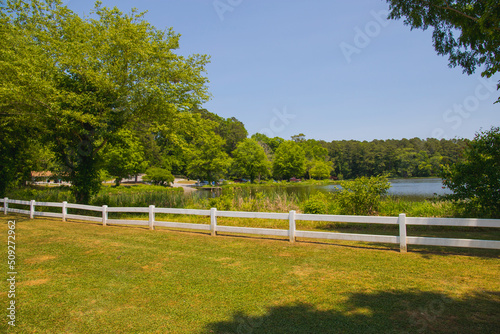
(380, 312)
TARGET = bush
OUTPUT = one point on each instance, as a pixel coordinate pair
(316, 204)
(158, 176)
(224, 202)
(362, 196)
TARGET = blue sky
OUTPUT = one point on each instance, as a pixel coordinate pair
(332, 70)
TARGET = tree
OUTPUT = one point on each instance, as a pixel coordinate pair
(125, 157)
(175, 140)
(317, 157)
(320, 169)
(272, 143)
(234, 133)
(299, 138)
(207, 158)
(230, 129)
(159, 176)
(468, 31)
(251, 160)
(475, 181)
(21, 81)
(98, 75)
(407, 162)
(289, 160)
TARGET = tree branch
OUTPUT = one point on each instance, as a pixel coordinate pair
(450, 8)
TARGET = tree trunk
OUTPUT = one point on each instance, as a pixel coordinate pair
(85, 179)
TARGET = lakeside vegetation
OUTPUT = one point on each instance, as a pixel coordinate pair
(265, 197)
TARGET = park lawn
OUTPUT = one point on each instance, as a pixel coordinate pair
(81, 277)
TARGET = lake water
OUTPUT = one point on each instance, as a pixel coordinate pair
(423, 187)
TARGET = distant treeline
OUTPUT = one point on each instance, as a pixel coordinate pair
(400, 158)
(397, 157)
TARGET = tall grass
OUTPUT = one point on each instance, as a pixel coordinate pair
(417, 206)
(246, 198)
(140, 196)
(124, 196)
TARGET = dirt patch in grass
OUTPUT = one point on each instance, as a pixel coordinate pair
(34, 282)
(39, 259)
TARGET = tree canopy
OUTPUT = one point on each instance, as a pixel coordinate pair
(475, 180)
(289, 160)
(87, 78)
(251, 160)
(467, 31)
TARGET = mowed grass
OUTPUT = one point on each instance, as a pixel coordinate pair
(81, 277)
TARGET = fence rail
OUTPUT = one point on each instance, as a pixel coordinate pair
(402, 221)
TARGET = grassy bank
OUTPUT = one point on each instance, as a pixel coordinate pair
(84, 278)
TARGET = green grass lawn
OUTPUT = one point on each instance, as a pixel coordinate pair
(81, 277)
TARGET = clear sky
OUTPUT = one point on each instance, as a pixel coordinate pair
(331, 69)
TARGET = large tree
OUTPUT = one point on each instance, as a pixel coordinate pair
(467, 31)
(251, 159)
(289, 160)
(207, 158)
(475, 181)
(93, 77)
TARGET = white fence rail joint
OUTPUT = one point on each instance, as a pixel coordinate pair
(292, 233)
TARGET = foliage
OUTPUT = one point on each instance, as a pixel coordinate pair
(317, 165)
(17, 156)
(251, 160)
(158, 176)
(100, 74)
(320, 169)
(124, 157)
(173, 141)
(465, 30)
(207, 159)
(399, 158)
(231, 130)
(289, 160)
(362, 196)
(271, 143)
(316, 204)
(223, 202)
(475, 181)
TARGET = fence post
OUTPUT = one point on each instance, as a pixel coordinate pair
(402, 233)
(32, 209)
(291, 220)
(151, 217)
(213, 222)
(104, 215)
(5, 205)
(64, 210)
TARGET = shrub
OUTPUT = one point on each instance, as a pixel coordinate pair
(224, 202)
(316, 204)
(362, 196)
(158, 176)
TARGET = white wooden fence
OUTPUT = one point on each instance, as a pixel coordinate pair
(292, 233)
